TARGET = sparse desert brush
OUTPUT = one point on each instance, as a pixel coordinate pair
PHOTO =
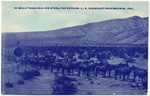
(29, 74)
(63, 86)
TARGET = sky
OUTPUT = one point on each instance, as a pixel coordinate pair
(34, 20)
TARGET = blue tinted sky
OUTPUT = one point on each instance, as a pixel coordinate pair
(42, 20)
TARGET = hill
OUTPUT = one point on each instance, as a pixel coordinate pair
(127, 31)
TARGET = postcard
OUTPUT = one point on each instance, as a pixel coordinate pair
(74, 48)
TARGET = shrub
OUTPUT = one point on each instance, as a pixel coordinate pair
(63, 86)
(30, 74)
(9, 84)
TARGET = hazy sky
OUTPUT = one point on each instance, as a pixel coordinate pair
(25, 20)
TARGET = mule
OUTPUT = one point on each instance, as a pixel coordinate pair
(125, 71)
(101, 69)
(142, 74)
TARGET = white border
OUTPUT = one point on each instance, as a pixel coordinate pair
(79, 0)
(75, 0)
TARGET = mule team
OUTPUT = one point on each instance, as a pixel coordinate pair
(84, 63)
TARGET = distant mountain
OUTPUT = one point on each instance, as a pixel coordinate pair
(128, 31)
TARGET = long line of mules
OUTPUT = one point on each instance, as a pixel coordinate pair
(86, 66)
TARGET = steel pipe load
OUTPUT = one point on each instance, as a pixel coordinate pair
(12, 51)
